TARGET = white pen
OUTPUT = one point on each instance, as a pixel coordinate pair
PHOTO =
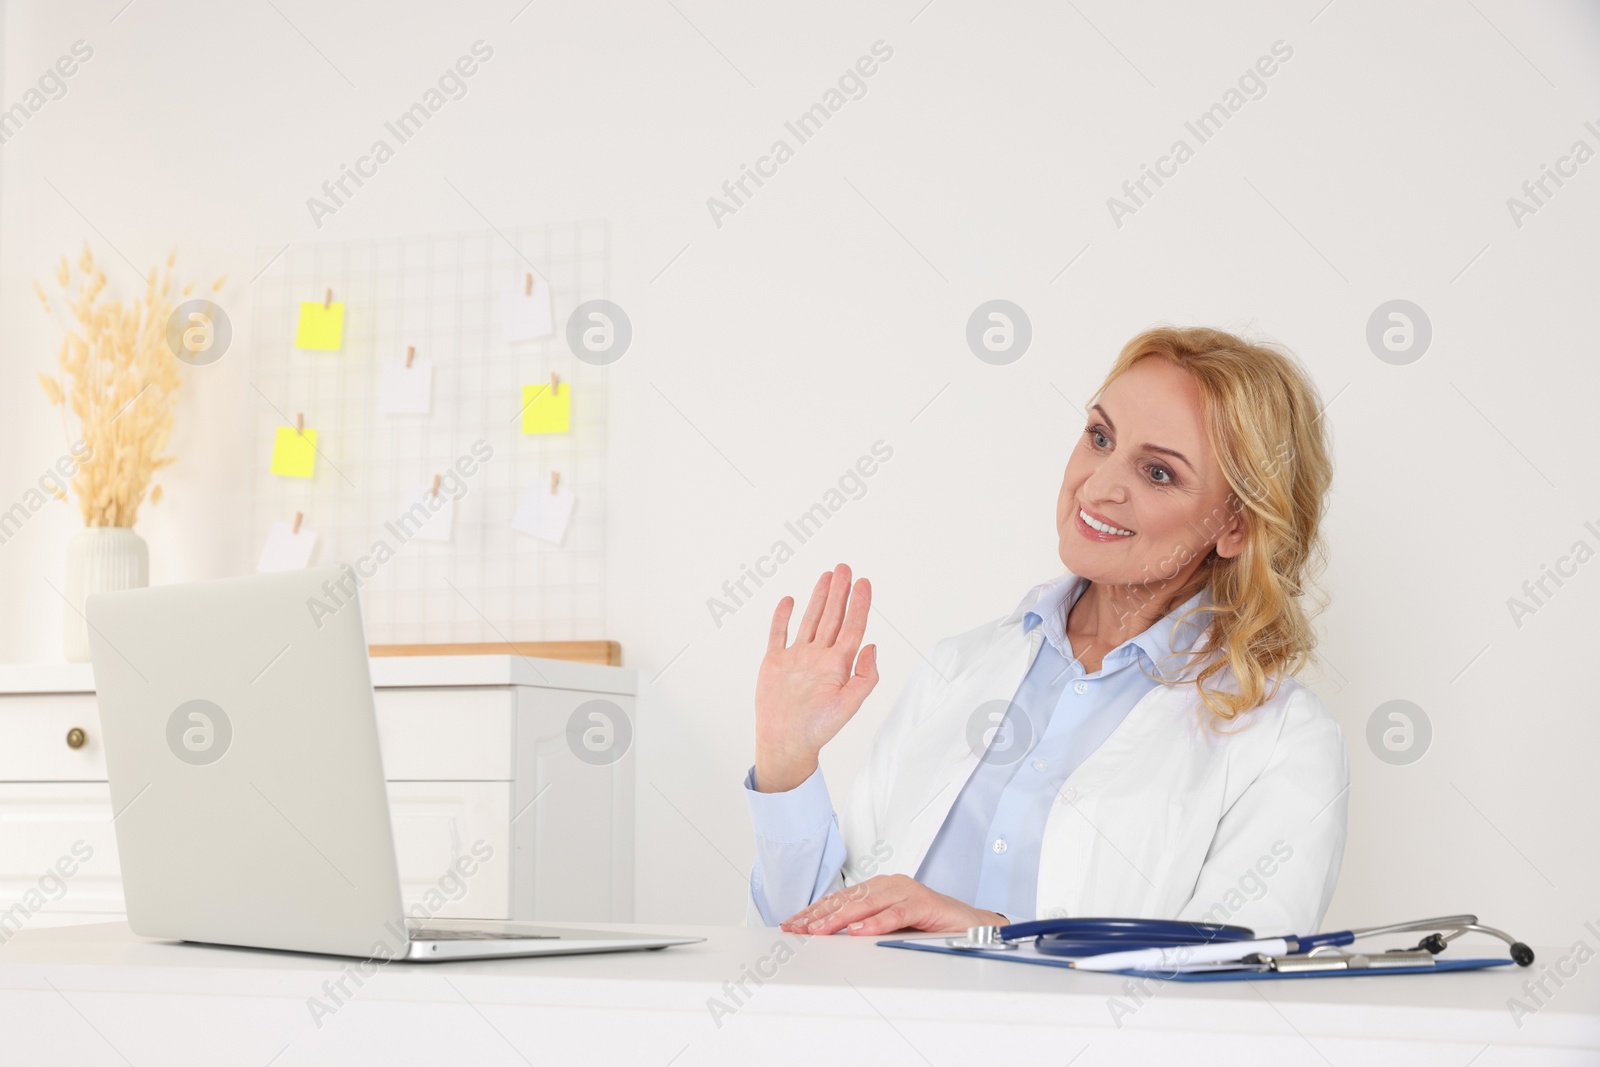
(1170, 959)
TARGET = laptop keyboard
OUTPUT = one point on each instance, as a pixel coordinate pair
(478, 935)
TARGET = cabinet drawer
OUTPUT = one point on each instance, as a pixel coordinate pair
(446, 734)
(453, 845)
(424, 735)
(33, 738)
(58, 854)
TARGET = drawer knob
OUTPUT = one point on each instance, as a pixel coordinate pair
(76, 738)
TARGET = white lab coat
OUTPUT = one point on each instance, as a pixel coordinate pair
(1165, 820)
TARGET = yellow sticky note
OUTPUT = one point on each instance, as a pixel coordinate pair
(544, 411)
(294, 454)
(320, 327)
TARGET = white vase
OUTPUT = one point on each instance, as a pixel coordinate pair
(100, 559)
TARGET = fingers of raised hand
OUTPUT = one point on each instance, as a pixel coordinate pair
(819, 598)
(778, 635)
(833, 613)
(857, 687)
(855, 620)
(867, 664)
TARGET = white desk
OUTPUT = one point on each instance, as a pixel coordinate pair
(95, 995)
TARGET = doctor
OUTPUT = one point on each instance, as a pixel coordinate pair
(1130, 740)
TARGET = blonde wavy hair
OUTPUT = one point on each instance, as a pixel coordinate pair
(1263, 418)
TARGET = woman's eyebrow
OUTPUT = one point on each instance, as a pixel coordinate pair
(1174, 453)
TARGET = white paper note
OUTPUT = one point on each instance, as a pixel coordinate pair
(287, 550)
(434, 519)
(406, 390)
(526, 316)
(545, 514)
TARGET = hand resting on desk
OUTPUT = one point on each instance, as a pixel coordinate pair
(885, 904)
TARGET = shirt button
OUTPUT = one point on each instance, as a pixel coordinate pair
(1040, 765)
(1080, 687)
(999, 845)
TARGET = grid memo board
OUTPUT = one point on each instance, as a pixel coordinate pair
(443, 295)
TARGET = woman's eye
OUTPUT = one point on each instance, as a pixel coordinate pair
(1158, 474)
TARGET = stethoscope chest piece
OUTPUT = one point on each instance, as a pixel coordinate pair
(982, 937)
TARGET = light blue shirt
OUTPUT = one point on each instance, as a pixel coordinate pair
(987, 851)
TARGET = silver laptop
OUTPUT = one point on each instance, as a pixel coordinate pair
(247, 789)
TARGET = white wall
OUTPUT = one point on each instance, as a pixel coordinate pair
(813, 323)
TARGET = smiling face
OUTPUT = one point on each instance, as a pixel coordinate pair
(1150, 483)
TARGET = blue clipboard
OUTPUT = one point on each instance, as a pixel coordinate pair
(1025, 953)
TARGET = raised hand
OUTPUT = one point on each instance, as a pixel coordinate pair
(807, 691)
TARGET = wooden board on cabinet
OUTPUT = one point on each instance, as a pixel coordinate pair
(605, 653)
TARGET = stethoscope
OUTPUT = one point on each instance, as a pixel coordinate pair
(1089, 937)
(1158, 943)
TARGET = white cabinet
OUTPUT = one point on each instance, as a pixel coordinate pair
(475, 753)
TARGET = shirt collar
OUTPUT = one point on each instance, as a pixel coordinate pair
(1048, 603)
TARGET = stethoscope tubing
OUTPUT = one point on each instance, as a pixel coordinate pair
(1164, 931)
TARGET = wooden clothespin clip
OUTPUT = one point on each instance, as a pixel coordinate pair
(297, 517)
(555, 479)
(411, 353)
(436, 485)
(327, 300)
(300, 423)
(527, 284)
(555, 384)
